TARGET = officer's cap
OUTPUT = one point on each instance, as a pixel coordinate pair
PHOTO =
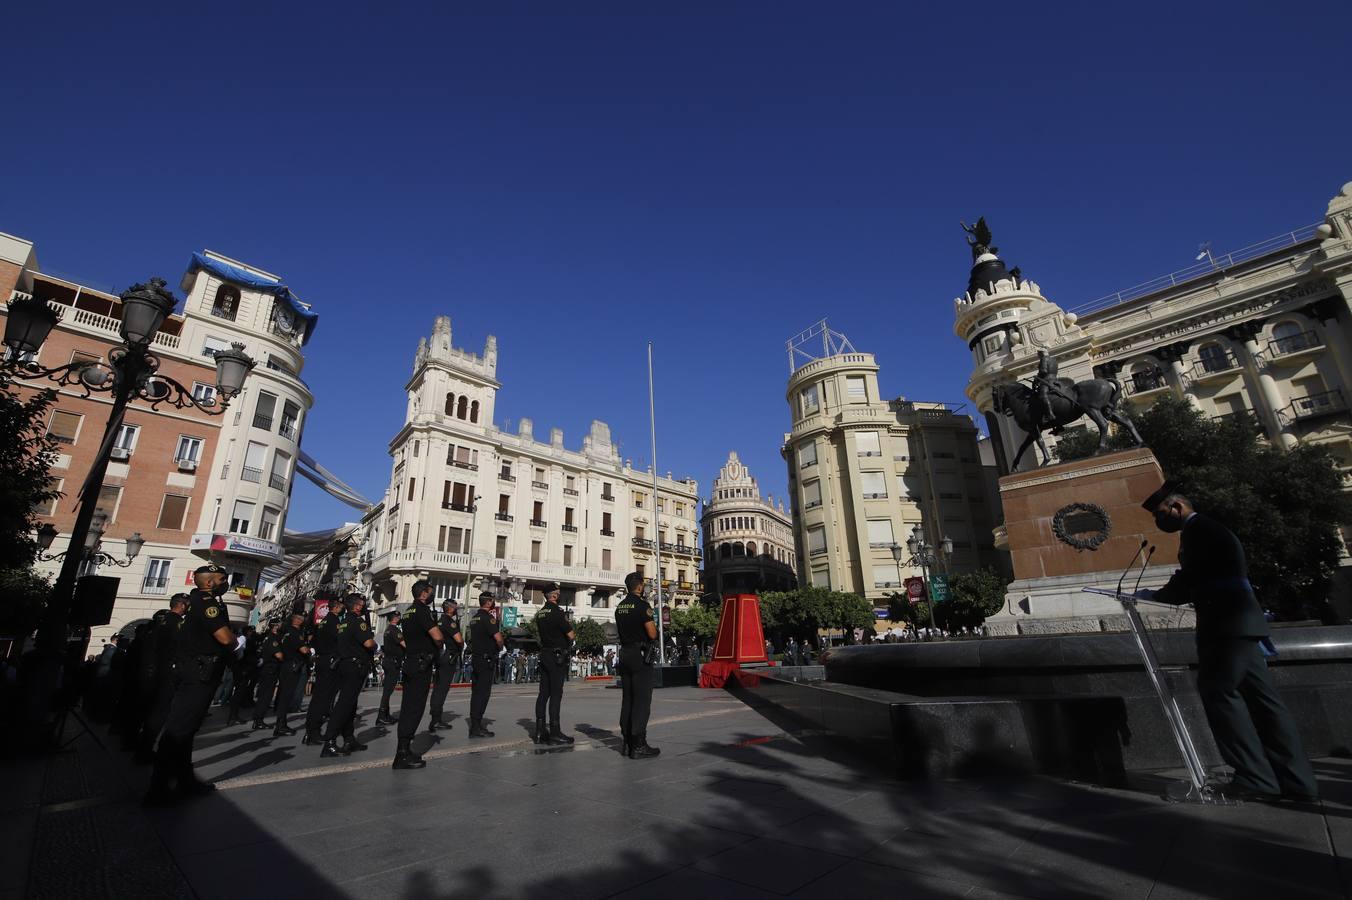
(549, 588)
(392, 615)
(178, 598)
(354, 600)
(486, 596)
(419, 586)
(449, 604)
(210, 569)
(1159, 496)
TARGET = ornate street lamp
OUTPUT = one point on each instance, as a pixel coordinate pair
(90, 550)
(922, 555)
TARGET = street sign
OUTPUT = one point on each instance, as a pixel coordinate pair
(939, 588)
(666, 616)
(915, 589)
(509, 617)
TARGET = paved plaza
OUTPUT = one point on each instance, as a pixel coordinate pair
(735, 807)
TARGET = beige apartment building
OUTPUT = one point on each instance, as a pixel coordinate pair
(748, 539)
(468, 500)
(865, 470)
(195, 487)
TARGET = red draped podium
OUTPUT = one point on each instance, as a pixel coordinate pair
(741, 639)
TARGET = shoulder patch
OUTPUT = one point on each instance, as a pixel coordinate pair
(212, 611)
(365, 627)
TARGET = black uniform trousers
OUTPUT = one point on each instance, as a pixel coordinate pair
(417, 682)
(267, 685)
(553, 668)
(350, 676)
(159, 693)
(322, 697)
(392, 669)
(484, 665)
(287, 681)
(194, 686)
(1254, 731)
(246, 677)
(441, 683)
(636, 691)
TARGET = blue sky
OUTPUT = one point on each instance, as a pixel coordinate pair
(582, 178)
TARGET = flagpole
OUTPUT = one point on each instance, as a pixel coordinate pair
(657, 521)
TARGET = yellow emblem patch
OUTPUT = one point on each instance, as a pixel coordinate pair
(364, 627)
(212, 612)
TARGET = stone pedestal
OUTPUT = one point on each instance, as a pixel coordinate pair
(1076, 525)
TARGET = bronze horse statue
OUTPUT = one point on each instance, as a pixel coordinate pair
(1096, 398)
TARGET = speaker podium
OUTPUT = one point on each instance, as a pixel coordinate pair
(740, 642)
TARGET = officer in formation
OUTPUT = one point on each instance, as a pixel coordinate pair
(246, 676)
(325, 647)
(484, 642)
(448, 660)
(293, 650)
(556, 640)
(156, 674)
(270, 653)
(392, 661)
(353, 651)
(204, 646)
(422, 643)
(638, 632)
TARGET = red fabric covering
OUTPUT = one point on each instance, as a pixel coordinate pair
(715, 674)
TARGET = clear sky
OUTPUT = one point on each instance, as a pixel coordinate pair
(581, 178)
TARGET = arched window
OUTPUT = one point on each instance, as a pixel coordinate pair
(725, 551)
(462, 408)
(474, 411)
(738, 549)
(227, 302)
(751, 548)
(1288, 337)
(450, 404)
(1214, 358)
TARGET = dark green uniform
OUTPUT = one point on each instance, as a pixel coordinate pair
(421, 653)
(157, 676)
(268, 669)
(636, 690)
(199, 663)
(354, 662)
(325, 649)
(483, 647)
(448, 660)
(554, 626)
(391, 661)
(293, 669)
(1254, 731)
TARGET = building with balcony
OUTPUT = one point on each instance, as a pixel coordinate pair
(864, 471)
(748, 539)
(468, 500)
(195, 487)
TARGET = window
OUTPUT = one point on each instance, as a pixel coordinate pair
(500, 547)
(255, 456)
(680, 509)
(281, 468)
(464, 457)
(812, 494)
(211, 346)
(816, 541)
(124, 442)
(474, 412)
(204, 394)
(640, 500)
(866, 443)
(605, 491)
(537, 516)
(226, 304)
(885, 576)
(156, 579)
(79, 356)
(416, 448)
(569, 483)
(173, 510)
(605, 525)
(403, 540)
(809, 399)
(453, 540)
(506, 472)
(638, 532)
(462, 408)
(243, 517)
(449, 408)
(412, 487)
(874, 484)
(821, 578)
(568, 517)
(535, 551)
(1214, 358)
(855, 389)
(48, 508)
(605, 560)
(639, 569)
(567, 554)
(267, 526)
(807, 455)
(64, 426)
(880, 533)
(291, 423)
(263, 410)
(504, 504)
(189, 450)
(109, 497)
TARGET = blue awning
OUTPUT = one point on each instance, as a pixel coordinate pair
(308, 317)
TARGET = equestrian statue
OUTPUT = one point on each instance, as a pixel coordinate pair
(1049, 403)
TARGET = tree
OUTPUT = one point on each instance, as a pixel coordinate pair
(591, 636)
(695, 622)
(1285, 506)
(972, 596)
(800, 613)
(27, 454)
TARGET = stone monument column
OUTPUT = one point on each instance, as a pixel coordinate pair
(1173, 354)
(1268, 400)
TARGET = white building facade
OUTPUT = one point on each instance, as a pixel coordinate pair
(748, 539)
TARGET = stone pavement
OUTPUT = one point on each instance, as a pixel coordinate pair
(735, 807)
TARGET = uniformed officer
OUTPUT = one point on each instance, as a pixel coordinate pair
(556, 640)
(246, 676)
(293, 650)
(485, 639)
(270, 665)
(157, 674)
(204, 644)
(422, 642)
(392, 661)
(356, 645)
(638, 631)
(1254, 731)
(448, 660)
(325, 647)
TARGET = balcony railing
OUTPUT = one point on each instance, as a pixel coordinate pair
(643, 542)
(812, 505)
(607, 533)
(277, 482)
(465, 465)
(1215, 365)
(458, 507)
(503, 517)
(610, 497)
(538, 523)
(1144, 382)
(571, 492)
(572, 528)
(1293, 343)
(1244, 416)
(155, 585)
(251, 474)
(506, 476)
(542, 485)
(685, 585)
(263, 422)
(1316, 405)
(288, 430)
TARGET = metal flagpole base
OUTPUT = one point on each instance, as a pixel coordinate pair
(1187, 792)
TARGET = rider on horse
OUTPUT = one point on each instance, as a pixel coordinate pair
(1044, 382)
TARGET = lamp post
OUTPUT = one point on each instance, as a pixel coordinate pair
(91, 550)
(132, 372)
(922, 555)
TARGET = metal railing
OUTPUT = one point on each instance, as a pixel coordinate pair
(504, 476)
(248, 473)
(542, 485)
(643, 542)
(570, 528)
(1141, 382)
(155, 585)
(538, 523)
(1212, 265)
(610, 497)
(465, 465)
(287, 431)
(1293, 343)
(571, 492)
(263, 422)
(458, 507)
(1214, 364)
(503, 517)
(1321, 404)
(277, 482)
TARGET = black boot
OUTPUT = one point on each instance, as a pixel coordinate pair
(331, 751)
(260, 725)
(384, 717)
(283, 731)
(351, 744)
(639, 749)
(541, 734)
(557, 737)
(477, 729)
(311, 738)
(625, 743)
(437, 722)
(405, 758)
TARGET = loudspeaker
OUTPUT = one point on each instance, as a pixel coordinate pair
(93, 602)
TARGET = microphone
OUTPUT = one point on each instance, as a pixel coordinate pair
(1144, 543)
(1144, 563)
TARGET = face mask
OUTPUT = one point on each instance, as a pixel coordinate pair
(1167, 523)
(220, 588)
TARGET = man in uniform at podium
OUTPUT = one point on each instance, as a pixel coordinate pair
(1254, 731)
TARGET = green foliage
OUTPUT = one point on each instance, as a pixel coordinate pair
(695, 621)
(972, 597)
(27, 454)
(1284, 505)
(800, 613)
(591, 636)
(23, 593)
